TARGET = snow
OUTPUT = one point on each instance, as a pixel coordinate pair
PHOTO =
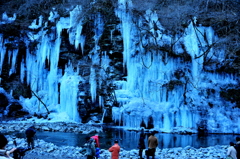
(6, 19)
(53, 15)
(37, 23)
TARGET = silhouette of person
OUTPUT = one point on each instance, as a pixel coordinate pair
(90, 146)
(237, 147)
(30, 133)
(141, 143)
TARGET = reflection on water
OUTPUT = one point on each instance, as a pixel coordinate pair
(129, 139)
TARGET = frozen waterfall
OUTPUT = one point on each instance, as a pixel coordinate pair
(150, 102)
(161, 90)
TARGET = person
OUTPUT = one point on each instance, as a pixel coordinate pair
(152, 145)
(237, 147)
(4, 154)
(90, 146)
(30, 133)
(141, 143)
(231, 151)
(96, 138)
(97, 145)
(115, 149)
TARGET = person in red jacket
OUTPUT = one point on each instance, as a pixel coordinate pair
(96, 138)
(115, 149)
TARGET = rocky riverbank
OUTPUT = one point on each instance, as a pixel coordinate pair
(14, 126)
(48, 150)
(51, 151)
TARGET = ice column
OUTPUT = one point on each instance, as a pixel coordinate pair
(69, 94)
(98, 30)
(2, 52)
(12, 60)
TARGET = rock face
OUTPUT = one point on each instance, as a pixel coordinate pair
(3, 102)
(10, 108)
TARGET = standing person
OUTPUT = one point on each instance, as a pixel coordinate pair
(237, 147)
(141, 143)
(97, 145)
(152, 145)
(30, 133)
(96, 138)
(90, 146)
(231, 152)
(115, 149)
(4, 154)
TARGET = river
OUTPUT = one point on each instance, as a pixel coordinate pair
(129, 139)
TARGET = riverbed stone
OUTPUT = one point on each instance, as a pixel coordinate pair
(56, 126)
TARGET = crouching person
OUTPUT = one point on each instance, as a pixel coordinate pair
(4, 154)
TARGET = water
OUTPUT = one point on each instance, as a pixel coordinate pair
(129, 139)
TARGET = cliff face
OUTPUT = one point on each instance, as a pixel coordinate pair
(164, 66)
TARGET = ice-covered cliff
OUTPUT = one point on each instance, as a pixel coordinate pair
(167, 82)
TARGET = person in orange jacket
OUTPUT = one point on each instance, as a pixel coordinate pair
(115, 149)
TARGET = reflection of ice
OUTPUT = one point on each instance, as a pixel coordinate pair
(127, 138)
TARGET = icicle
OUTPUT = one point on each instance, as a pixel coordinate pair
(99, 26)
(104, 112)
(2, 52)
(93, 84)
(75, 27)
(78, 38)
(82, 42)
(22, 69)
(13, 62)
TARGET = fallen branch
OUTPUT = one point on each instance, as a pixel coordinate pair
(41, 102)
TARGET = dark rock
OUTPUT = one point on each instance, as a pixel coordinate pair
(14, 109)
(3, 101)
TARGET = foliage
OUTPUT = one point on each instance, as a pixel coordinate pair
(33, 45)
(172, 84)
(28, 10)
(10, 30)
(232, 95)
